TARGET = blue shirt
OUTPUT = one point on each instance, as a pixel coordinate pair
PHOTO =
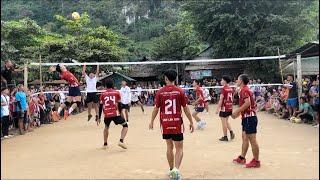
(22, 97)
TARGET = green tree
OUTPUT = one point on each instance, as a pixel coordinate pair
(238, 28)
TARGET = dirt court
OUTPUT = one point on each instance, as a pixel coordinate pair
(70, 149)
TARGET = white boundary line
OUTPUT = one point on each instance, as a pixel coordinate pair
(134, 90)
(165, 62)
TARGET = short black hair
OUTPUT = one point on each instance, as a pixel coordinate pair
(303, 98)
(58, 69)
(4, 88)
(290, 75)
(109, 83)
(226, 78)
(244, 78)
(197, 81)
(171, 75)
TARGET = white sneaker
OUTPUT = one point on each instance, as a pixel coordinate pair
(316, 126)
(203, 124)
(199, 126)
(6, 137)
(175, 174)
(123, 145)
(10, 136)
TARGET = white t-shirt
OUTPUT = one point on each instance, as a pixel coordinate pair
(91, 84)
(5, 99)
(134, 96)
(125, 95)
(62, 98)
(139, 90)
(206, 94)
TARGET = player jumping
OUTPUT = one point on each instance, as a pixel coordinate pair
(74, 96)
(169, 100)
(91, 88)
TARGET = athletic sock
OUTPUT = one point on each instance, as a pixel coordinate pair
(59, 110)
(105, 144)
(121, 140)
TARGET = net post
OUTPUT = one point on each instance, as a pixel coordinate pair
(177, 69)
(299, 74)
(40, 68)
(25, 80)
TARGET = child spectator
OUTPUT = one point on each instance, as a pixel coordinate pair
(305, 111)
(5, 101)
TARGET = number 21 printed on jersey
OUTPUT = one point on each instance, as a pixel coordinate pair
(171, 106)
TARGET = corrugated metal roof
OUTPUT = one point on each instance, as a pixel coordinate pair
(217, 66)
(124, 76)
(309, 66)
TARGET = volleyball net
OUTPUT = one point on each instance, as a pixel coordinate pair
(202, 62)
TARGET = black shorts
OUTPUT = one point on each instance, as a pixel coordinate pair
(74, 91)
(135, 102)
(117, 120)
(124, 106)
(92, 97)
(249, 125)
(173, 137)
(225, 114)
(24, 116)
(199, 109)
(315, 107)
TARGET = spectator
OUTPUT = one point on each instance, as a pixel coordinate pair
(34, 110)
(292, 102)
(6, 74)
(22, 107)
(314, 100)
(305, 111)
(5, 101)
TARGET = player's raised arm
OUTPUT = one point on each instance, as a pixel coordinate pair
(97, 72)
(84, 70)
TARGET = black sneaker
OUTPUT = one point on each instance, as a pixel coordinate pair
(232, 135)
(89, 117)
(224, 138)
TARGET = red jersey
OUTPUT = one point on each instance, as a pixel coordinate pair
(244, 94)
(227, 102)
(199, 94)
(110, 99)
(68, 76)
(170, 99)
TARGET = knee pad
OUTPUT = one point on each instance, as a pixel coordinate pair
(125, 124)
(68, 104)
(78, 104)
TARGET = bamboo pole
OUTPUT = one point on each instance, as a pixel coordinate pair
(40, 62)
(299, 74)
(25, 72)
(280, 66)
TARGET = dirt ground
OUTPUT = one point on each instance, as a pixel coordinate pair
(70, 149)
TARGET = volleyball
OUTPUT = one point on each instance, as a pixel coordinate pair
(75, 15)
